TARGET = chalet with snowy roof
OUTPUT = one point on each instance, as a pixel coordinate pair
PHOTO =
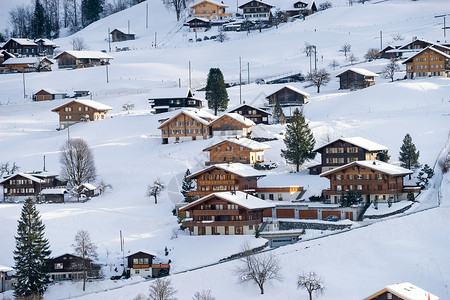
(415, 46)
(387, 53)
(210, 10)
(186, 125)
(428, 62)
(402, 291)
(71, 266)
(169, 99)
(28, 64)
(140, 264)
(288, 96)
(88, 189)
(80, 110)
(299, 8)
(346, 150)
(53, 195)
(225, 213)
(27, 47)
(82, 59)
(23, 185)
(197, 24)
(48, 94)
(356, 78)
(122, 34)
(231, 124)
(279, 193)
(256, 10)
(4, 279)
(225, 177)
(238, 149)
(373, 179)
(257, 115)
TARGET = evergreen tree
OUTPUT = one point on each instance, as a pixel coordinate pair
(424, 176)
(278, 114)
(350, 199)
(383, 156)
(90, 11)
(39, 21)
(409, 157)
(187, 186)
(32, 252)
(299, 141)
(216, 93)
(410, 196)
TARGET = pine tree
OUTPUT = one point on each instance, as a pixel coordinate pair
(39, 21)
(91, 10)
(409, 157)
(216, 93)
(278, 114)
(187, 186)
(299, 141)
(424, 176)
(32, 252)
(383, 156)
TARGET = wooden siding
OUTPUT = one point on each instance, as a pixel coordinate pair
(118, 36)
(184, 126)
(76, 112)
(353, 81)
(428, 63)
(285, 213)
(287, 97)
(144, 260)
(227, 124)
(307, 214)
(65, 60)
(231, 152)
(210, 11)
(20, 186)
(256, 115)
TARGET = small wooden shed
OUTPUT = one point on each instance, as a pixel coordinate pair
(122, 34)
(356, 78)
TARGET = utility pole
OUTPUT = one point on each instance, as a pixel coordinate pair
(155, 40)
(107, 75)
(23, 80)
(44, 163)
(128, 26)
(248, 73)
(240, 81)
(190, 75)
(443, 16)
(315, 58)
(381, 40)
(146, 15)
(109, 39)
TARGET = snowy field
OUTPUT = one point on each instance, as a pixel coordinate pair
(129, 155)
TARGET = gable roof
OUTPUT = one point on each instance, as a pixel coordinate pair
(374, 165)
(239, 169)
(427, 48)
(237, 117)
(197, 115)
(360, 142)
(170, 93)
(51, 91)
(26, 175)
(5, 269)
(54, 191)
(198, 18)
(407, 291)
(91, 103)
(245, 104)
(124, 30)
(245, 4)
(210, 1)
(361, 71)
(239, 198)
(47, 42)
(420, 40)
(244, 142)
(290, 87)
(86, 54)
(143, 251)
(69, 254)
(24, 60)
(88, 186)
(23, 42)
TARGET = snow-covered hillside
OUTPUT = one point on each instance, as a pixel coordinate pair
(129, 155)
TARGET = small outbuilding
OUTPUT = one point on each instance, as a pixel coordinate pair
(356, 78)
(288, 96)
(122, 34)
(54, 195)
(257, 115)
(4, 280)
(140, 264)
(82, 59)
(48, 94)
(402, 291)
(71, 266)
(198, 24)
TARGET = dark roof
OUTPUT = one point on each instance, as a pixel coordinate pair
(264, 4)
(244, 104)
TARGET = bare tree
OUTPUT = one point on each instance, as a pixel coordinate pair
(156, 189)
(346, 48)
(77, 162)
(128, 106)
(325, 5)
(140, 296)
(103, 186)
(258, 269)
(279, 17)
(390, 69)
(398, 37)
(372, 54)
(177, 5)
(352, 58)
(318, 78)
(307, 49)
(203, 295)
(222, 37)
(78, 43)
(311, 282)
(334, 63)
(84, 247)
(5, 168)
(162, 289)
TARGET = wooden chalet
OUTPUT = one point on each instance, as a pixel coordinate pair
(122, 34)
(238, 149)
(186, 126)
(211, 10)
(53, 195)
(257, 115)
(46, 47)
(387, 53)
(169, 99)
(416, 45)
(231, 124)
(28, 64)
(80, 110)
(428, 62)
(140, 264)
(26, 47)
(346, 150)
(225, 177)
(355, 79)
(23, 185)
(402, 291)
(82, 59)
(89, 190)
(224, 213)
(48, 94)
(373, 179)
(300, 8)
(288, 96)
(198, 24)
(71, 266)
(256, 10)
(4, 278)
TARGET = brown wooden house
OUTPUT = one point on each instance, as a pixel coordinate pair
(402, 291)
(256, 10)
(198, 24)
(231, 124)
(356, 78)
(122, 34)
(80, 110)
(82, 59)
(211, 10)
(346, 150)
(27, 47)
(224, 213)
(71, 266)
(428, 62)
(170, 99)
(288, 96)
(186, 126)
(23, 185)
(373, 179)
(388, 53)
(140, 264)
(28, 64)
(257, 115)
(240, 150)
(225, 177)
(300, 8)
(48, 94)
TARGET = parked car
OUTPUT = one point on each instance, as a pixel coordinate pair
(199, 39)
(126, 49)
(206, 38)
(260, 81)
(104, 51)
(331, 219)
(190, 40)
(213, 37)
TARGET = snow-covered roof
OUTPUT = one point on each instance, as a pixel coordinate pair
(239, 169)
(26, 175)
(262, 2)
(361, 71)
(23, 60)
(87, 54)
(51, 91)
(360, 142)
(90, 103)
(245, 104)
(89, 186)
(237, 197)
(407, 291)
(47, 42)
(5, 269)
(427, 48)
(210, 1)
(244, 142)
(124, 30)
(23, 42)
(54, 191)
(374, 165)
(422, 40)
(241, 119)
(197, 115)
(169, 93)
(143, 251)
(292, 89)
(198, 18)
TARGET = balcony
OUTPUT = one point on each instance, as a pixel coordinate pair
(329, 192)
(222, 223)
(216, 182)
(216, 212)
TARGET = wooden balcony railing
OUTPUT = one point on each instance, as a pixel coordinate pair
(222, 223)
(216, 212)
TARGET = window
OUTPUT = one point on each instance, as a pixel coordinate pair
(145, 261)
(352, 150)
(58, 266)
(359, 176)
(350, 176)
(359, 187)
(338, 177)
(136, 271)
(339, 188)
(135, 261)
(280, 197)
(379, 176)
(79, 108)
(271, 196)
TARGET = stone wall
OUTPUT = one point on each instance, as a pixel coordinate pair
(400, 211)
(286, 225)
